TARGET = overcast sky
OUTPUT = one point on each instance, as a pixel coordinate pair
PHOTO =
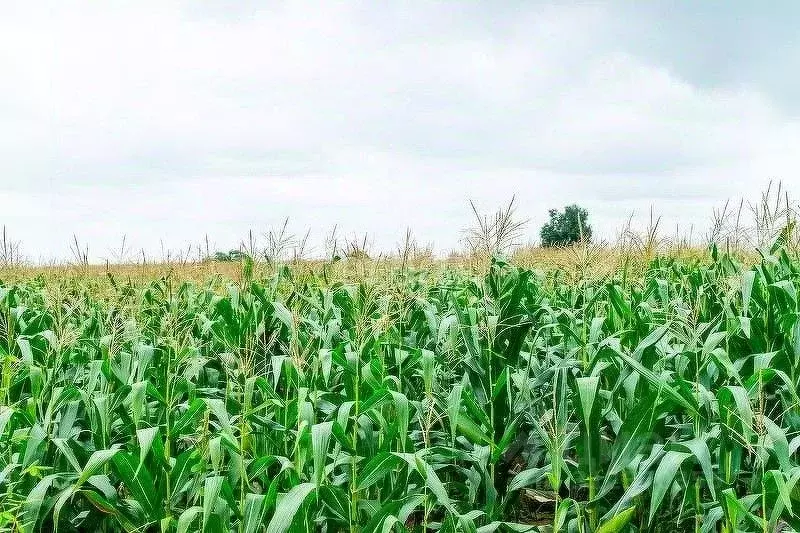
(166, 121)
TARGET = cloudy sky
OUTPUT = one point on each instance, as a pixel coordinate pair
(167, 121)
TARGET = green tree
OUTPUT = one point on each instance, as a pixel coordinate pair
(226, 257)
(566, 227)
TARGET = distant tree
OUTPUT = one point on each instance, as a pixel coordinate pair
(226, 257)
(566, 227)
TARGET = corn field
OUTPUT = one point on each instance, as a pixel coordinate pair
(662, 400)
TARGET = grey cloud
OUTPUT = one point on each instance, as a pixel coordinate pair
(738, 43)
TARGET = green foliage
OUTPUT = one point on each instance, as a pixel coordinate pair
(226, 257)
(566, 227)
(406, 401)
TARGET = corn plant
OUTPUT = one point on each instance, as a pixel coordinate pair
(406, 400)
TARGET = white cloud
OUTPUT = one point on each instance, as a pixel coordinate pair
(170, 121)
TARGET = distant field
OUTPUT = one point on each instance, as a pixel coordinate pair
(580, 389)
(591, 260)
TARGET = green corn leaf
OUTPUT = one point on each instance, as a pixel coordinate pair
(376, 469)
(437, 488)
(181, 472)
(145, 438)
(699, 448)
(454, 408)
(587, 392)
(337, 501)
(618, 522)
(283, 314)
(33, 502)
(97, 460)
(138, 481)
(254, 510)
(658, 383)
(211, 490)
(187, 517)
(527, 478)
(652, 338)
(6, 412)
(68, 454)
(186, 421)
(784, 492)
(288, 506)
(780, 444)
(33, 445)
(662, 479)
(320, 437)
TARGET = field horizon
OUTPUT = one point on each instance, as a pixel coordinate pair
(739, 227)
